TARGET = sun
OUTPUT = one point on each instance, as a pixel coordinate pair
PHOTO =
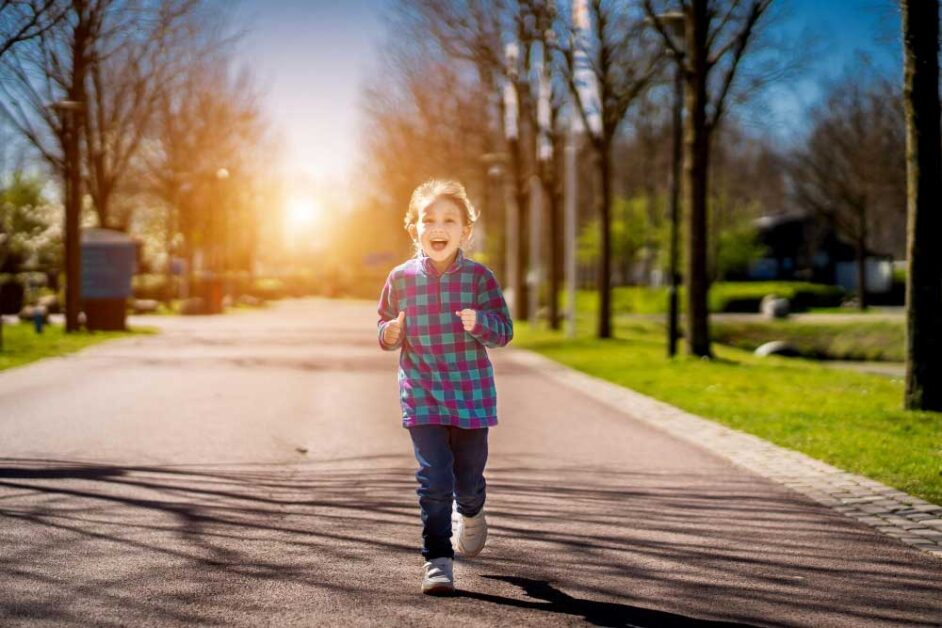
(302, 211)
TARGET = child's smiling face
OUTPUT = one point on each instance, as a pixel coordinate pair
(440, 231)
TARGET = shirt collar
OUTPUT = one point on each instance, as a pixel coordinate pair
(430, 269)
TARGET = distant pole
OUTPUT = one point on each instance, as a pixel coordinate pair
(672, 331)
(222, 238)
(514, 279)
(569, 206)
(535, 272)
(221, 234)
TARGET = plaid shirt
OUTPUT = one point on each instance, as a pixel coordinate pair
(445, 376)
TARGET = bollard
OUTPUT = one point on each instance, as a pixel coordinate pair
(39, 318)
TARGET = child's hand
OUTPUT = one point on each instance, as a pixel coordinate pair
(468, 318)
(393, 329)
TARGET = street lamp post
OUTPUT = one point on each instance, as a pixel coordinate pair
(68, 110)
(221, 235)
(674, 21)
(495, 165)
(569, 204)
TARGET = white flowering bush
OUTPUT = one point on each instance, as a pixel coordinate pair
(30, 227)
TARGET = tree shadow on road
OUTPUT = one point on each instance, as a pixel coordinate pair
(595, 613)
(196, 543)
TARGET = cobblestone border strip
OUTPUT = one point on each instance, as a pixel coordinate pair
(892, 512)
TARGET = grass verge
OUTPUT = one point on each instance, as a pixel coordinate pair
(22, 345)
(851, 420)
(725, 296)
(871, 340)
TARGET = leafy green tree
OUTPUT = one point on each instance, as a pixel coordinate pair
(737, 249)
(630, 231)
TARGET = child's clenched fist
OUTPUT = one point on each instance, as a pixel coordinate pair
(394, 329)
(468, 318)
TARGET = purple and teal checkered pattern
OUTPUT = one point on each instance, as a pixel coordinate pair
(445, 376)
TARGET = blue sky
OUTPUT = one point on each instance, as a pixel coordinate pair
(311, 56)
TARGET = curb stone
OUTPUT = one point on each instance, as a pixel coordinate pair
(891, 512)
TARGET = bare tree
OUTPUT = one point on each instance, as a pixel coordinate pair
(114, 57)
(135, 61)
(924, 191)
(851, 168)
(468, 37)
(507, 45)
(612, 44)
(23, 20)
(427, 122)
(553, 94)
(208, 123)
(717, 36)
(53, 67)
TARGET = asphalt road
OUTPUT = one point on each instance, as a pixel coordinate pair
(251, 470)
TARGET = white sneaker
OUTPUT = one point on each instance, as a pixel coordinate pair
(472, 534)
(439, 577)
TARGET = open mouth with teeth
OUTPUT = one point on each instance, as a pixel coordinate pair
(439, 244)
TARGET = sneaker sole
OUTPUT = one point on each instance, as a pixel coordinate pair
(468, 554)
(438, 589)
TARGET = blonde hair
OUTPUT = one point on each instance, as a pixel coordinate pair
(435, 189)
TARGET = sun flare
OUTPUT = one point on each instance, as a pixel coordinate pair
(302, 211)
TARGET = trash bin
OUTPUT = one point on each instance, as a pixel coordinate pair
(109, 261)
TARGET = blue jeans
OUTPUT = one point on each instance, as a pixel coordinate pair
(451, 468)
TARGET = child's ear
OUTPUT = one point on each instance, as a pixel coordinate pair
(412, 232)
(466, 233)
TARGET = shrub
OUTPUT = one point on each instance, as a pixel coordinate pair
(149, 286)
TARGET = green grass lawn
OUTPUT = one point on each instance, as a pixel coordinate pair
(22, 345)
(876, 340)
(724, 296)
(851, 420)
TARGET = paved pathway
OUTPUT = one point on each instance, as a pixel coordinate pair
(250, 469)
(896, 370)
(895, 513)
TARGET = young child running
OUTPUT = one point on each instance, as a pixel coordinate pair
(442, 309)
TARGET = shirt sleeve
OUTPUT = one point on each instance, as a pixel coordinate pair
(388, 310)
(494, 327)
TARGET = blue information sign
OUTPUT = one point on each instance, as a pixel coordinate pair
(107, 268)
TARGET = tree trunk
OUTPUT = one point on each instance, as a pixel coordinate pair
(625, 245)
(496, 221)
(604, 279)
(81, 43)
(924, 197)
(674, 201)
(696, 166)
(555, 241)
(520, 251)
(523, 157)
(522, 295)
